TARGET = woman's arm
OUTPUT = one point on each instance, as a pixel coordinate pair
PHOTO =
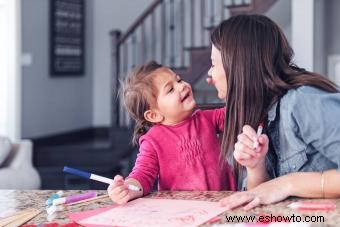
(301, 184)
(315, 185)
(253, 158)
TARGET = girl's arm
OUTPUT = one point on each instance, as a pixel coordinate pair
(301, 184)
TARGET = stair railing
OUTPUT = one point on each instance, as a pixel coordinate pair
(165, 32)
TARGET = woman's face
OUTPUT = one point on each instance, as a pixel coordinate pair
(217, 73)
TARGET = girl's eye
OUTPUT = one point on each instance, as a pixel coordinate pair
(171, 90)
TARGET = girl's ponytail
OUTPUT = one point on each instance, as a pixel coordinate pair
(141, 127)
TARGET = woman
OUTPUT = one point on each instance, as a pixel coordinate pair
(252, 70)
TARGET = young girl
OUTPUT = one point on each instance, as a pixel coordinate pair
(177, 145)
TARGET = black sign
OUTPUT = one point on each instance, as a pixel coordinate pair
(67, 37)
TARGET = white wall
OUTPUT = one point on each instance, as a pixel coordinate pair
(303, 33)
(10, 70)
(56, 105)
(108, 15)
(52, 105)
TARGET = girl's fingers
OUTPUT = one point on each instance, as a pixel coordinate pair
(123, 194)
(118, 178)
(117, 190)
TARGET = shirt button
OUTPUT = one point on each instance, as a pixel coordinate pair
(294, 166)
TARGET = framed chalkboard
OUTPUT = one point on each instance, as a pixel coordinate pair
(67, 24)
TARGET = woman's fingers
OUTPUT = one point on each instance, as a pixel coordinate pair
(236, 200)
(263, 139)
(254, 203)
(243, 138)
(249, 131)
(244, 151)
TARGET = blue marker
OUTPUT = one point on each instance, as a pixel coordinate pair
(95, 177)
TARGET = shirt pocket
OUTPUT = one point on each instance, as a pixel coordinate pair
(293, 163)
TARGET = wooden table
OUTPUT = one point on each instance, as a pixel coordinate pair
(15, 200)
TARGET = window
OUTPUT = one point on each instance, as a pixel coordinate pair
(10, 76)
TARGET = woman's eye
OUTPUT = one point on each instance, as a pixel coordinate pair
(179, 80)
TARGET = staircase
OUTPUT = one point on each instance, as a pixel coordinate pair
(175, 33)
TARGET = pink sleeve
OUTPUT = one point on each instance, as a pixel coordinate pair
(146, 168)
(216, 116)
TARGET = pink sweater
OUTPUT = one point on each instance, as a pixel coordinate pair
(184, 156)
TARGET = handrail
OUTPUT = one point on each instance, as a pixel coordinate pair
(139, 21)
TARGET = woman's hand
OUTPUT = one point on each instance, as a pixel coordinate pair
(118, 191)
(269, 192)
(245, 153)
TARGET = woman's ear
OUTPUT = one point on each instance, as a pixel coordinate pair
(153, 116)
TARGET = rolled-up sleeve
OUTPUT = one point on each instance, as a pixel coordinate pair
(317, 116)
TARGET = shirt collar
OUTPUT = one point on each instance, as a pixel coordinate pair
(272, 113)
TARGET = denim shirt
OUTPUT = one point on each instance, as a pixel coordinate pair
(304, 132)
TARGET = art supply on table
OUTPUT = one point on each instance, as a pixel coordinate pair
(151, 212)
(322, 205)
(19, 218)
(52, 209)
(258, 133)
(88, 200)
(95, 177)
(53, 197)
(74, 198)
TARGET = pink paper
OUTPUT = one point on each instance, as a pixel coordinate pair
(151, 212)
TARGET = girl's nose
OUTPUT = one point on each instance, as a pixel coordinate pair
(181, 86)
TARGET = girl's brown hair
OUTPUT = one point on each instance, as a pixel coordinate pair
(257, 60)
(139, 95)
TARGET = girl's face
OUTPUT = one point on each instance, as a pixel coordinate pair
(175, 101)
(217, 73)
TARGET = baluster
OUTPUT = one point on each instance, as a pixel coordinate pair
(212, 14)
(172, 33)
(192, 22)
(153, 44)
(163, 33)
(182, 33)
(143, 48)
(134, 49)
(202, 23)
(222, 10)
(115, 63)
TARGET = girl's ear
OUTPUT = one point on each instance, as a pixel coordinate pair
(153, 116)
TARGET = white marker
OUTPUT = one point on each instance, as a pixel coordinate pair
(96, 177)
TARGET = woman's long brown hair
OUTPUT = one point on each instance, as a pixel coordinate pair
(257, 60)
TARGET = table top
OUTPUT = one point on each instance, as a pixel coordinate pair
(12, 201)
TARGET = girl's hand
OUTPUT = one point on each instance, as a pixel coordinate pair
(245, 153)
(269, 192)
(118, 191)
